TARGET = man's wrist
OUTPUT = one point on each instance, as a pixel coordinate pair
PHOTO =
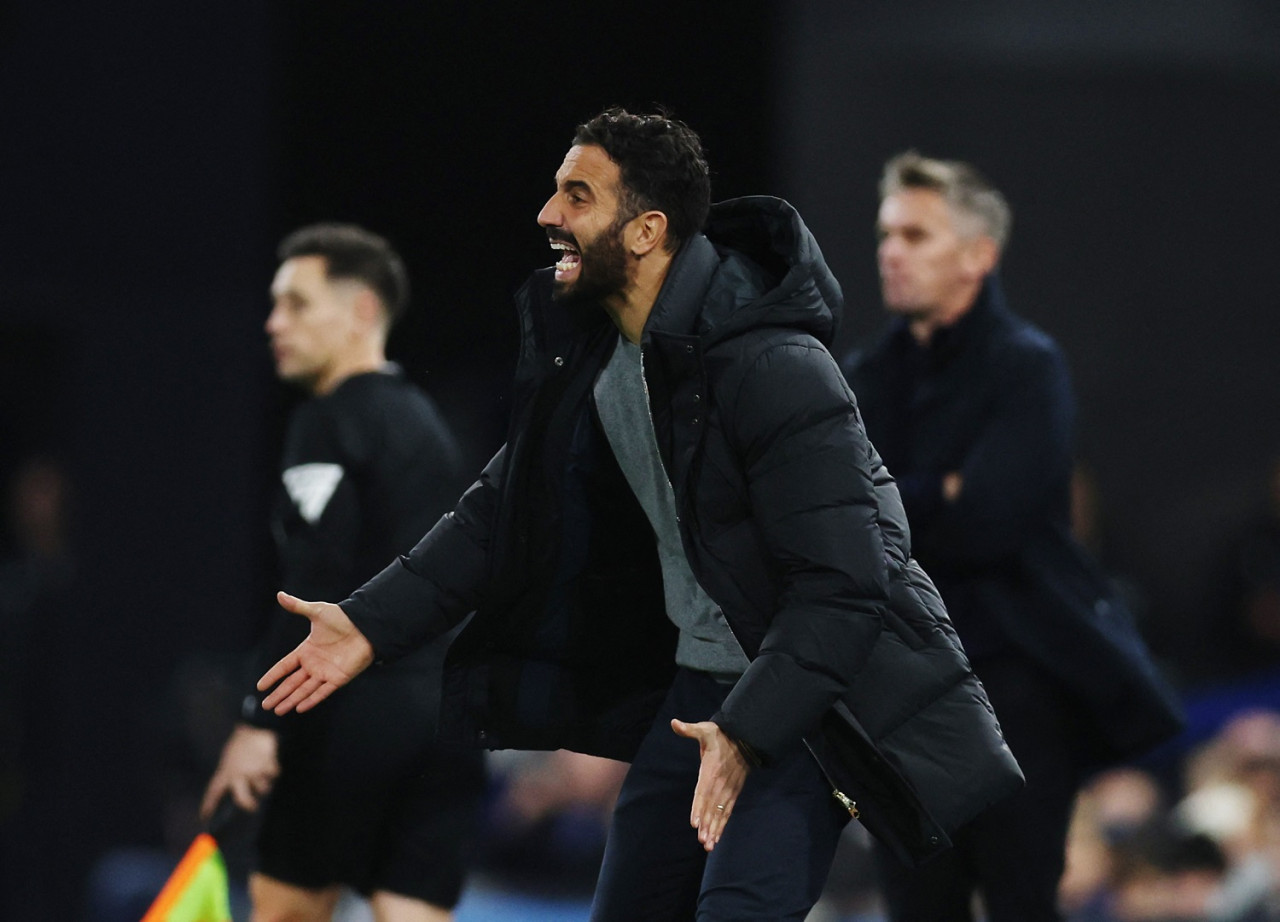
(748, 753)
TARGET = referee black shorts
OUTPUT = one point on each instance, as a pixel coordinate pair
(366, 798)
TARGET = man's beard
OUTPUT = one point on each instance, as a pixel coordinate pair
(602, 271)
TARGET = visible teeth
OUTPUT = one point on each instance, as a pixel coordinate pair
(570, 258)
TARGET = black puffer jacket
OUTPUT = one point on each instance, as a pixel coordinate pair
(789, 520)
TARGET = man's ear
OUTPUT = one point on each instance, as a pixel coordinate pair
(981, 255)
(368, 308)
(645, 232)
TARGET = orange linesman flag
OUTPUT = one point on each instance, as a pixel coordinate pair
(197, 889)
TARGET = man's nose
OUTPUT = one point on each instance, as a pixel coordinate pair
(550, 215)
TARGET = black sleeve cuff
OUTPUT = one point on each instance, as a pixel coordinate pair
(388, 611)
(753, 758)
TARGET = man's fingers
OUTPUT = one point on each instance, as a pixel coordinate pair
(713, 826)
(286, 666)
(244, 795)
(213, 793)
(322, 691)
(711, 813)
(290, 693)
(288, 677)
(304, 696)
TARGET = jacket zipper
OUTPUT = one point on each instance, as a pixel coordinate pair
(841, 797)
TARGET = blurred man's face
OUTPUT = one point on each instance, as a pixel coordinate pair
(312, 323)
(926, 265)
(581, 221)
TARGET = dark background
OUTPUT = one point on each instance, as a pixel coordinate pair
(151, 154)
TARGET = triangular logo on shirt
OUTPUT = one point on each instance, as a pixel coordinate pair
(311, 487)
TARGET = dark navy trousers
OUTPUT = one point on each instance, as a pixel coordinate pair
(772, 860)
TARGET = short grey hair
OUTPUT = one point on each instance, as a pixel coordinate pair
(972, 198)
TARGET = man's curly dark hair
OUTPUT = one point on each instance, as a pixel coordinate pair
(662, 164)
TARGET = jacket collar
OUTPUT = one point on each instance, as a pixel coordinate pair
(683, 290)
(755, 265)
(988, 309)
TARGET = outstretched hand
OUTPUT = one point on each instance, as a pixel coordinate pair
(333, 654)
(721, 775)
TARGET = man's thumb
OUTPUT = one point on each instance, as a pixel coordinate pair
(683, 729)
(296, 606)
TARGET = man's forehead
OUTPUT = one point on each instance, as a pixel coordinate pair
(299, 270)
(589, 164)
(915, 204)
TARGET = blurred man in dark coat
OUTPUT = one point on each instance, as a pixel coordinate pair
(971, 408)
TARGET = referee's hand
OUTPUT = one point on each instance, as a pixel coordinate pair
(247, 769)
(333, 654)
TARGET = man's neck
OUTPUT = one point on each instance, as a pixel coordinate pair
(630, 308)
(923, 326)
(355, 365)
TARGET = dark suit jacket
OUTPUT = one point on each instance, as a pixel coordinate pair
(991, 398)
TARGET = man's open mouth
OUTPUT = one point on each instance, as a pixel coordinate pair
(569, 259)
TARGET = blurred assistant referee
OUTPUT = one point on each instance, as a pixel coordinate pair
(356, 793)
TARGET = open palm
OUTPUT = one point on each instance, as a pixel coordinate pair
(333, 654)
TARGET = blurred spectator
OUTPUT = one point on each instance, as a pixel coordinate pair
(1242, 827)
(1246, 750)
(1214, 855)
(41, 859)
(1243, 636)
(1108, 810)
(1233, 794)
(1164, 873)
(548, 821)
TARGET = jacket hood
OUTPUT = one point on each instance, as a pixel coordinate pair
(756, 265)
